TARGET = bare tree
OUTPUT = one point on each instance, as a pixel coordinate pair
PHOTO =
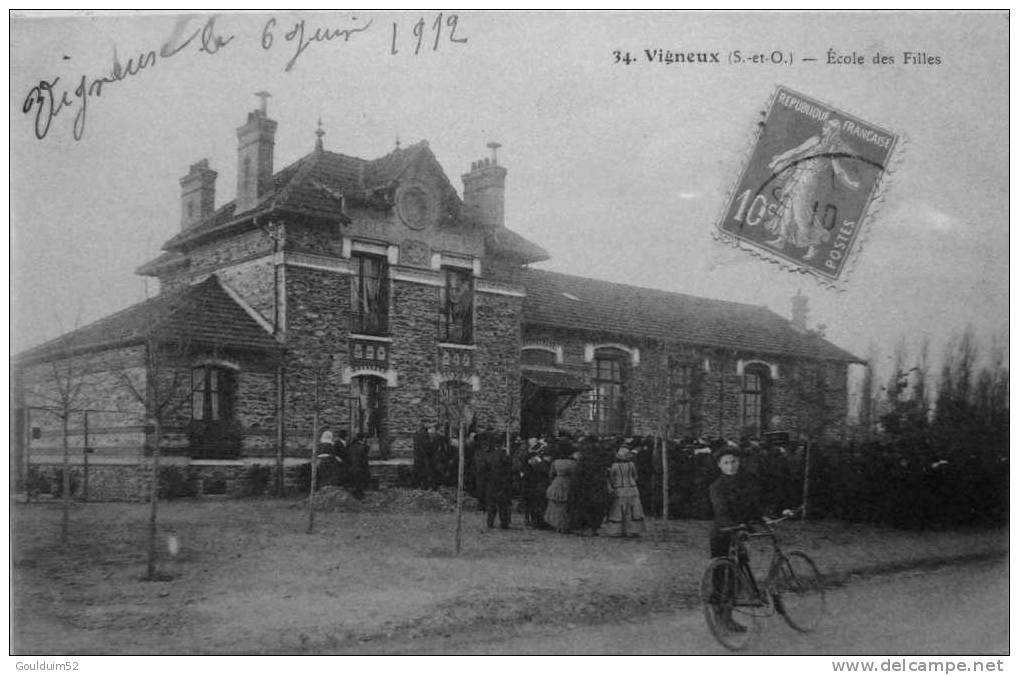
(455, 404)
(161, 384)
(62, 390)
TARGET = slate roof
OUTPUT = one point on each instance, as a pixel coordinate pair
(316, 184)
(203, 315)
(567, 301)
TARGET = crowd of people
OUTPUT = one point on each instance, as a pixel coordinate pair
(343, 463)
(568, 484)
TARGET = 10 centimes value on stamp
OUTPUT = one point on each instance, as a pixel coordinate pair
(809, 183)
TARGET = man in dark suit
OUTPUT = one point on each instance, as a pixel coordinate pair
(495, 479)
(424, 471)
(358, 472)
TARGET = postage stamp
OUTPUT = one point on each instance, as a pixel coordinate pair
(808, 184)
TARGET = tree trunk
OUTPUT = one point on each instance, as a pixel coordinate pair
(665, 482)
(154, 500)
(314, 460)
(460, 487)
(66, 479)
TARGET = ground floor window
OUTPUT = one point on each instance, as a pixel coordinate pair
(754, 400)
(454, 404)
(368, 406)
(608, 403)
(214, 432)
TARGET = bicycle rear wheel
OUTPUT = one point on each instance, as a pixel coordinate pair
(722, 585)
(799, 592)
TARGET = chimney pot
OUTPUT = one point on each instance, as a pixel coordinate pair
(484, 192)
(197, 194)
(255, 142)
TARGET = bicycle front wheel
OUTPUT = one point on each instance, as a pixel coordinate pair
(799, 592)
(721, 587)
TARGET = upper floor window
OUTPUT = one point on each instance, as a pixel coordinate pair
(457, 303)
(537, 357)
(754, 399)
(608, 404)
(370, 291)
(212, 393)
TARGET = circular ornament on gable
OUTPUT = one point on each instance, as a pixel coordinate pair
(415, 207)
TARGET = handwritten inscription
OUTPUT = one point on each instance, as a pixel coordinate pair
(49, 99)
(303, 37)
(437, 33)
(52, 98)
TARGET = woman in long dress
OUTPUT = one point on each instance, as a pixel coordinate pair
(798, 219)
(626, 517)
(558, 494)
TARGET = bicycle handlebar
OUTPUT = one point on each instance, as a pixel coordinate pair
(767, 522)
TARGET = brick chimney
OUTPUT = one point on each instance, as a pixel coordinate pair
(800, 312)
(197, 194)
(255, 141)
(485, 190)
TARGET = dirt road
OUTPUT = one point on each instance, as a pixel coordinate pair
(956, 609)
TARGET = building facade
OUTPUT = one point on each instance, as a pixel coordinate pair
(367, 295)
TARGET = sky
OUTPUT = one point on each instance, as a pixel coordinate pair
(619, 171)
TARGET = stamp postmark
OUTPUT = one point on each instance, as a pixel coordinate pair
(808, 184)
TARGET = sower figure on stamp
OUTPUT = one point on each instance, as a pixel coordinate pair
(801, 173)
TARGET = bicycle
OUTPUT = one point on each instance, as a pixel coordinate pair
(734, 601)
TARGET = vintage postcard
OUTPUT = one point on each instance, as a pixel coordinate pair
(444, 332)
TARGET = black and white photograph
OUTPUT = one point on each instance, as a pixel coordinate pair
(489, 333)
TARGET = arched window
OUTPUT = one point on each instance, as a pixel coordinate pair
(531, 356)
(368, 405)
(454, 406)
(608, 402)
(754, 399)
(681, 397)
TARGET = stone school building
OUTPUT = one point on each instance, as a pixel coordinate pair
(368, 295)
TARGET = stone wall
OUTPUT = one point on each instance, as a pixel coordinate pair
(716, 388)
(498, 335)
(318, 310)
(413, 322)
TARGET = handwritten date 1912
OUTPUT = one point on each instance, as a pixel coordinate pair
(436, 27)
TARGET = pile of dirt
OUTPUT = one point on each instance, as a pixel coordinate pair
(393, 500)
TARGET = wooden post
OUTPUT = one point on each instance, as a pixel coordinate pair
(460, 484)
(806, 478)
(280, 433)
(314, 462)
(28, 453)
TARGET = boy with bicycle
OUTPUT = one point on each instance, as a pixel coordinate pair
(734, 501)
